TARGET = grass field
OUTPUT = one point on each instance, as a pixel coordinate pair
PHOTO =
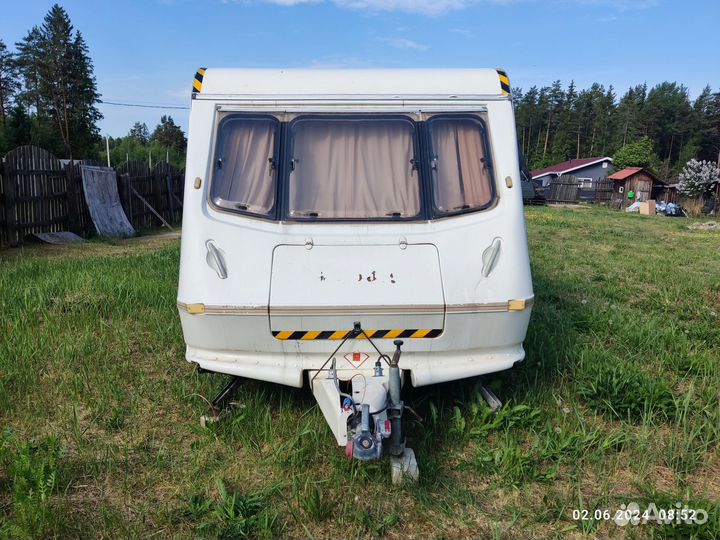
(616, 402)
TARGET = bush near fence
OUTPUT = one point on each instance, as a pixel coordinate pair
(40, 193)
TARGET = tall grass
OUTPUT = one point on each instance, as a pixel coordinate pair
(616, 402)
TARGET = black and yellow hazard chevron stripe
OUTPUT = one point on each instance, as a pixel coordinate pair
(197, 83)
(342, 334)
(504, 81)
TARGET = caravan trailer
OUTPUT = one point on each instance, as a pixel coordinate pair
(355, 229)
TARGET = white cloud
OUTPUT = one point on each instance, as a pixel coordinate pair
(403, 43)
(439, 7)
(425, 7)
(292, 2)
(464, 32)
(619, 5)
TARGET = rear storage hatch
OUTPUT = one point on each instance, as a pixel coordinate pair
(318, 293)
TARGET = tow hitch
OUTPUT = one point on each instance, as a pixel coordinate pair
(365, 410)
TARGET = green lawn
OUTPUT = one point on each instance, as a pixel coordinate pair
(616, 402)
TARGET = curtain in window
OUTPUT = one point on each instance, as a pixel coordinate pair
(244, 178)
(460, 175)
(353, 169)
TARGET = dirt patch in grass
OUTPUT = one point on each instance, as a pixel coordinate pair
(102, 247)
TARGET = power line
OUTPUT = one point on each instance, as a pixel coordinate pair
(143, 106)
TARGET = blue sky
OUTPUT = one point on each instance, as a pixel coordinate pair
(147, 51)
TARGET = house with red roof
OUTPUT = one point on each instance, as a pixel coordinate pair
(638, 184)
(586, 170)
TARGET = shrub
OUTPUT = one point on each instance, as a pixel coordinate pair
(698, 177)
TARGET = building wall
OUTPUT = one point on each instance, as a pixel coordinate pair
(641, 183)
(596, 171)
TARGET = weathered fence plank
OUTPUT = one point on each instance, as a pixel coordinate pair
(567, 188)
(42, 194)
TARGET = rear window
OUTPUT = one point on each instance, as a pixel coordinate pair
(244, 172)
(353, 168)
(460, 165)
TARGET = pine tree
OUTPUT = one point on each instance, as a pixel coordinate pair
(29, 51)
(710, 134)
(140, 132)
(84, 114)
(667, 108)
(59, 83)
(8, 82)
(19, 128)
(169, 135)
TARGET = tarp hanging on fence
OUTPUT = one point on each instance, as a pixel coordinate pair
(101, 194)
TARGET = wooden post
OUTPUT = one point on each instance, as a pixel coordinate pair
(170, 199)
(157, 184)
(10, 212)
(72, 219)
(125, 196)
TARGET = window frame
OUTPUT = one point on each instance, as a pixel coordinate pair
(282, 152)
(272, 214)
(435, 212)
(285, 215)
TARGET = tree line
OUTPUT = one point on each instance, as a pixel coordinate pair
(49, 97)
(166, 142)
(659, 127)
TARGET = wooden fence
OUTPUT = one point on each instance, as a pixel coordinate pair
(145, 193)
(568, 188)
(40, 193)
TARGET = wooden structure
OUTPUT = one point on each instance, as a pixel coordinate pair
(40, 194)
(570, 189)
(643, 184)
(150, 197)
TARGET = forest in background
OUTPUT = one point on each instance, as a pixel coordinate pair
(659, 127)
(49, 97)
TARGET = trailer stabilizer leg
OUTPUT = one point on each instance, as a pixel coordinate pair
(221, 401)
(404, 467)
(492, 400)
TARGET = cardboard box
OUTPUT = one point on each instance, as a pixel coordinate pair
(647, 208)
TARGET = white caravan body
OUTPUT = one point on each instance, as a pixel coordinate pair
(315, 199)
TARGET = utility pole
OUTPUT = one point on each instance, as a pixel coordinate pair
(107, 149)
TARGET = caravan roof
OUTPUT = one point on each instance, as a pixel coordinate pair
(446, 83)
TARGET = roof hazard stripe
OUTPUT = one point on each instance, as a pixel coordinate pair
(504, 81)
(197, 82)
